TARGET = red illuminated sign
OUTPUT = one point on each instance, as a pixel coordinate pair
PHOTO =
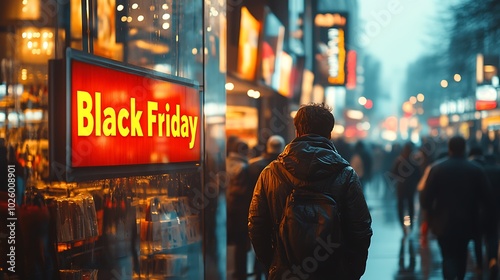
(124, 118)
(351, 70)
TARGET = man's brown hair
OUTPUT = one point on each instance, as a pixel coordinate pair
(314, 118)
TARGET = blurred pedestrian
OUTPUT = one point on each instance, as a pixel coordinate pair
(405, 175)
(362, 162)
(274, 146)
(343, 147)
(454, 190)
(311, 161)
(488, 230)
(239, 193)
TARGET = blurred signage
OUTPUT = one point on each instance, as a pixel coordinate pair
(248, 45)
(486, 97)
(285, 69)
(272, 45)
(458, 106)
(330, 48)
(351, 69)
(487, 82)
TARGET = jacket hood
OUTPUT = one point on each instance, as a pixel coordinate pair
(311, 157)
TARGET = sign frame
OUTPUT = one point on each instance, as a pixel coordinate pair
(61, 153)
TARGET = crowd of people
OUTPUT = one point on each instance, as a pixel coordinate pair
(455, 184)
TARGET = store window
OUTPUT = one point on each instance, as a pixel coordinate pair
(110, 225)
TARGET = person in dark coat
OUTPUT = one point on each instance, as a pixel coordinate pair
(454, 191)
(311, 160)
(238, 195)
(405, 174)
(362, 162)
(488, 231)
(274, 146)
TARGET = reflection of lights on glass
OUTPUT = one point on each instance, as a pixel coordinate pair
(120, 8)
(30, 44)
(413, 100)
(45, 45)
(25, 2)
(135, 6)
(124, 18)
(165, 26)
(420, 97)
(229, 86)
(24, 35)
(444, 83)
(206, 50)
(36, 35)
(194, 51)
(209, 29)
(140, 18)
(457, 78)
(362, 101)
(129, 19)
(165, 16)
(51, 34)
(30, 35)
(164, 6)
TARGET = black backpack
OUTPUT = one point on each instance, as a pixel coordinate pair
(309, 233)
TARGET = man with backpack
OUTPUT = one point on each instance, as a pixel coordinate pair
(308, 218)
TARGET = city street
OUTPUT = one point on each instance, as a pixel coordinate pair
(392, 254)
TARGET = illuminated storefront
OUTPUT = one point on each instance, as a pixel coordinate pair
(103, 112)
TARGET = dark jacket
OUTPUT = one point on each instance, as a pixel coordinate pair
(405, 173)
(238, 195)
(309, 161)
(454, 191)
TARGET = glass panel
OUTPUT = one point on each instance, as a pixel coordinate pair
(122, 228)
(163, 35)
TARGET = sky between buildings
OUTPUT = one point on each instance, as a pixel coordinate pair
(397, 32)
